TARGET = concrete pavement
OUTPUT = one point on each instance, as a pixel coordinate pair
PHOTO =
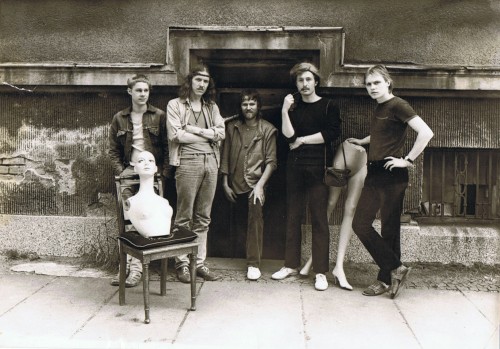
(78, 311)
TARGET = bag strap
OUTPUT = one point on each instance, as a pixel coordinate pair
(343, 153)
(325, 158)
(326, 113)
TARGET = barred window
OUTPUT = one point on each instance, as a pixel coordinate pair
(461, 183)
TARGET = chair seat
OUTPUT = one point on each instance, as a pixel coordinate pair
(178, 235)
(180, 242)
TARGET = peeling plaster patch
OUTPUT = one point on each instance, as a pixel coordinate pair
(62, 170)
(66, 181)
(32, 173)
(7, 143)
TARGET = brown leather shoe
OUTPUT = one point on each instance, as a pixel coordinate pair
(398, 279)
(205, 273)
(183, 275)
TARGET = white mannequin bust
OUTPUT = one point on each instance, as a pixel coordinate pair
(150, 213)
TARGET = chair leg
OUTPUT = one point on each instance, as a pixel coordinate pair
(123, 275)
(192, 267)
(145, 290)
(163, 277)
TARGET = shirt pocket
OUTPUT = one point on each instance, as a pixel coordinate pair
(121, 136)
(154, 134)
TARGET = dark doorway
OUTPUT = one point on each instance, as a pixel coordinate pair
(267, 71)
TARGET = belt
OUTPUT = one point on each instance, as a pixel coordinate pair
(197, 154)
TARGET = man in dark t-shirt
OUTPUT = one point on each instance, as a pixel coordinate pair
(309, 122)
(387, 179)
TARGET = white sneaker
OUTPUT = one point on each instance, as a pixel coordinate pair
(283, 273)
(321, 283)
(253, 273)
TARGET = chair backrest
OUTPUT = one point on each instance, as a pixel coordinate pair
(127, 186)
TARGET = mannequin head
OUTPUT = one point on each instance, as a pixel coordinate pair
(149, 212)
(145, 165)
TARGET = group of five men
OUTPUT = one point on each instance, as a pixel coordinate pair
(188, 139)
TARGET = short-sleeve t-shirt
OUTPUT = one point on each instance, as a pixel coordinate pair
(388, 128)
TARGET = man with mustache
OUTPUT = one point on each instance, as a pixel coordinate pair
(310, 127)
(140, 127)
(195, 129)
(248, 160)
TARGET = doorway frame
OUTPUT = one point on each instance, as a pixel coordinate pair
(329, 41)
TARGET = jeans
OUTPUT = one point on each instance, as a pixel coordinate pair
(384, 190)
(305, 179)
(247, 221)
(196, 181)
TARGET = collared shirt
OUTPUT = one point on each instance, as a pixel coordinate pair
(260, 152)
(179, 111)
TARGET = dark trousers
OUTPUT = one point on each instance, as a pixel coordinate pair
(383, 190)
(247, 224)
(302, 182)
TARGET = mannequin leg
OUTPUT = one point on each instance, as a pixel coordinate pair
(353, 193)
(333, 198)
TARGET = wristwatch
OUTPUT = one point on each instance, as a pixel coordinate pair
(409, 160)
(201, 132)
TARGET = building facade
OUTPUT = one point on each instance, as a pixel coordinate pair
(63, 67)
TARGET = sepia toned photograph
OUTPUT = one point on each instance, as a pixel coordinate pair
(243, 174)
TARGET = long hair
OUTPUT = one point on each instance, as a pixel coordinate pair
(382, 70)
(185, 89)
(250, 94)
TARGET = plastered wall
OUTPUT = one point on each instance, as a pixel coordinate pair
(464, 32)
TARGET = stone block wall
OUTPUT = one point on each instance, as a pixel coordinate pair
(466, 244)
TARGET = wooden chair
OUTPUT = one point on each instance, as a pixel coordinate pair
(147, 252)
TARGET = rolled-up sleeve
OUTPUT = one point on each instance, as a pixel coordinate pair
(218, 127)
(271, 158)
(175, 128)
